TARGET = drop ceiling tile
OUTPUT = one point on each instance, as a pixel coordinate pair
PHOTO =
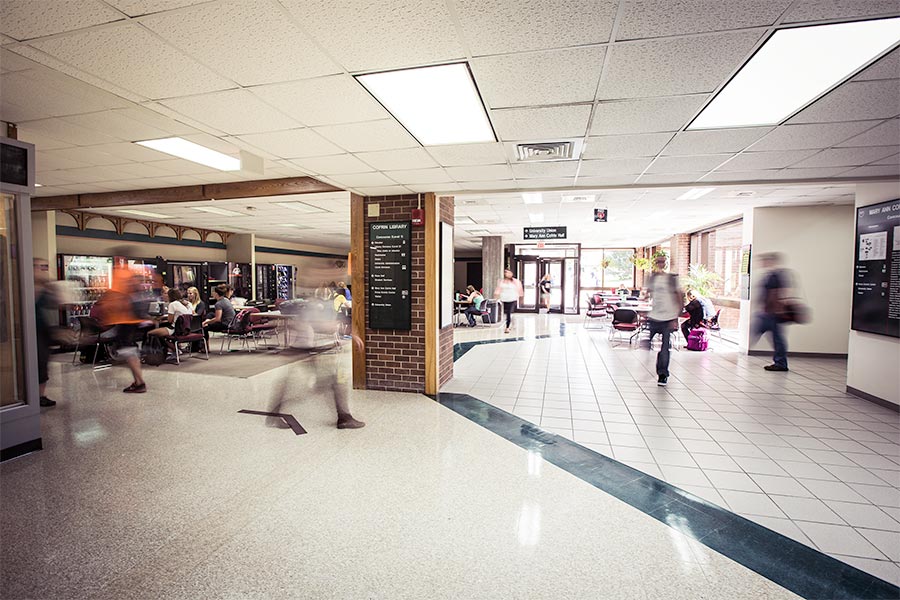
(810, 173)
(178, 166)
(234, 111)
(86, 156)
(753, 161)
(625, 146)
(41, 93)
(420, 176)
(890, 160)
(118, 124)
(323, 101)
(459, 155)
(119, 55)
(613, 167)
(534, 79)
(69, 133)
(227, 37)
(873, 171)
(480, 173)
(333, 165)
(854, 101)
(674, 66)
(741, 175)
(40, 141)
(370, 136)
(847, 157)
(384, 35)
(27, 19)
(541, 123)
(651, 18)
(663, 178)
(296, 143)
(437, 188)
(503, 184)
(885, 134)
(10, 62)
(408, 158)
(605, 181)
(714, 141)
(816, 10)
(136, 8)
(545, 184)
(362, 179)
(142, 170)
(49, 161)
(546, 169)
(388, 190)
(687, 164)
(649, 115)
(503, 26)
(809, 136)
(887, 67)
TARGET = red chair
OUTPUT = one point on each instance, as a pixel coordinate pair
(624, 319)
(188, 329)
(596, 309)
(261, 327)
(239, 328)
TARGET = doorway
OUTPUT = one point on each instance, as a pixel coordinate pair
(563, 273)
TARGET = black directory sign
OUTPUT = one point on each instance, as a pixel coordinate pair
(390, 275)
(13, 164)
(876, 276)
(544, 233)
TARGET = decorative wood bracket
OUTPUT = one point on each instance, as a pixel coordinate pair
(82, 217)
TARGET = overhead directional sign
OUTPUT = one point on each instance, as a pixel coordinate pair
(544, 233)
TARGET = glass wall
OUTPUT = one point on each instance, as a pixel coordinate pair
(12, 376)
(605, 268)
(719, 250)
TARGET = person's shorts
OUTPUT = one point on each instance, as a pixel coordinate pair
(124, 338)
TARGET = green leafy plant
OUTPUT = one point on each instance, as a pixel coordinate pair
(701, 280)
(604, 264)
(643, 264)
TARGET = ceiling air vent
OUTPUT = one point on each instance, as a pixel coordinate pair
(538, 151)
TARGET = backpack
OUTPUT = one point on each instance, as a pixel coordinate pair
(697, 340)
(154, 351)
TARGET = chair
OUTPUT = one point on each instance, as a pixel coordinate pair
(597, 308)
(485, 312)
(713, 324)
(624, 319)
(239, 328)
(90, 332)
(188, 329)
(261, 327)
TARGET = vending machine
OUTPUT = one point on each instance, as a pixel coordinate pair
(89, 277)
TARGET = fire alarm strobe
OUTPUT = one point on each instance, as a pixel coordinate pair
(418, 215)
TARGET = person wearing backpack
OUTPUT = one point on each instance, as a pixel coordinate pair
(663, 317)
(774, 291)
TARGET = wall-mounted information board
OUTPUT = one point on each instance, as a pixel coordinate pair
(390, 275)
(876, 275)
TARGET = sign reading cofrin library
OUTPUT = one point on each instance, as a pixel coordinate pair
(876, 275)
(390, 275)
(544, 233)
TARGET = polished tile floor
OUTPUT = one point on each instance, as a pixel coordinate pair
(790, 451)
(173, 494)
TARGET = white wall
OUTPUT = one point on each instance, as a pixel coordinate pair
(872, 361)
(312, 271)
(817, 245)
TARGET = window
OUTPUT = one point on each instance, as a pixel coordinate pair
(719, 250)
(619, 270)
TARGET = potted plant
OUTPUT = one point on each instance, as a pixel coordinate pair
(643, 264)
(604, 264)
(701, 280)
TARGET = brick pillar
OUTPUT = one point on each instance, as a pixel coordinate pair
(680, 260)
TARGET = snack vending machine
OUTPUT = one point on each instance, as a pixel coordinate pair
(89, 277)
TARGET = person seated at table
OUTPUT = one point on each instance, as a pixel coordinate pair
(342, 289)
(475, 299)
(709, 311)
(694, 310)
(198, 306)
(177, 307)
(224, 311)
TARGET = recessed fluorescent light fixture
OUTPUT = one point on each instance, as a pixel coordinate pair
(695, 193)
(585, 198)
(536, 217)
(300, 207)
(144, 213)
(794, 67)
(437, 105)
(295, 226)
(182, 148)
(533, 198)
(219, 211)
(38, 185)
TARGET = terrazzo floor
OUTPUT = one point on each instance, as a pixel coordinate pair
(790, 451)
(173, 494)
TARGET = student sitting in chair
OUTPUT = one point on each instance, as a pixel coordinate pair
(694, 309)
(475, 299)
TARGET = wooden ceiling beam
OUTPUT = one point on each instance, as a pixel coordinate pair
(188, 193)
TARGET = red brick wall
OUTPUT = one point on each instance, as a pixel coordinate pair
(445, 338)
(395, 359)
(681, 254)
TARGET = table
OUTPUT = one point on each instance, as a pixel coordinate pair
(277, 315)
(459, 307)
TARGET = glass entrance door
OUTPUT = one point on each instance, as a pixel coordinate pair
(528, 274)
(554, 268)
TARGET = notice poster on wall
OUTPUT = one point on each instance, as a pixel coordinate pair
(876, 275)
(745, 272)
(390, 275)
(446, 275)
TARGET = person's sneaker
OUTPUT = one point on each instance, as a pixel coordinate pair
(47, 402)
(136, 389)
(662, 381)
(348, 422)
(775, 368)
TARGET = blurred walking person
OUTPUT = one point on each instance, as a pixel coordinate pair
(774, 290)
(117, 309)
(45, 305)
(663, 317)
(509, 290)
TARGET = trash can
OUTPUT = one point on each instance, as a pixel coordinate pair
(492, 307)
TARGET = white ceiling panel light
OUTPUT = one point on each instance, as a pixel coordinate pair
(219, 211)
(144, 213)
(301, 207)
(535, 198)
(438, 105)
(794, 67)
(695, 193)
(583, 198)
(182, 148)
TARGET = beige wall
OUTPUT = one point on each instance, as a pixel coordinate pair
(817, 245)
(872, 359)
(311, 270)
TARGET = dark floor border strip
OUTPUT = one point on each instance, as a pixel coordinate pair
(21, 449)
(800, 354)
(792, 565)
(873, 398)
(460, 348)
